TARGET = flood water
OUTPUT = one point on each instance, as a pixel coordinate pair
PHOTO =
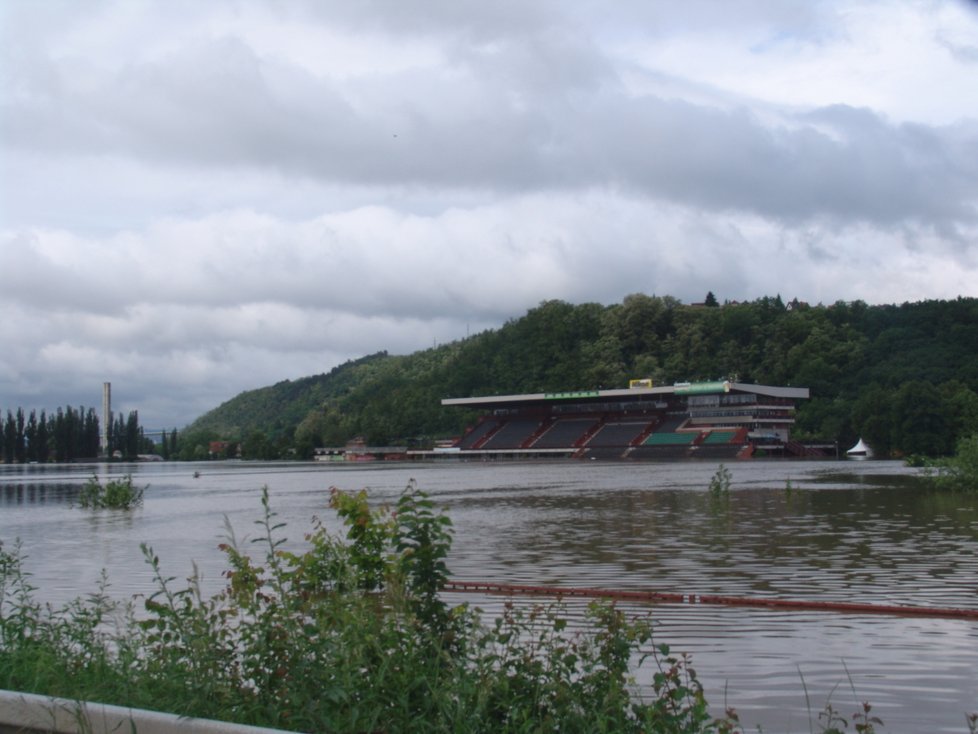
(866, 532)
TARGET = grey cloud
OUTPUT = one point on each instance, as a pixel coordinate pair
(478, 21)
(482, 22)
(966, 53)
(186, 360)
(219, 105)
(33, 278)
(866, 170)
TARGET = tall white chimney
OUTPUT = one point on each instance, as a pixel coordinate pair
(106, 417)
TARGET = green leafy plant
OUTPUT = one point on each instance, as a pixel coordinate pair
(720, 482)
(118, 494)
(960, 472)
(422, 538)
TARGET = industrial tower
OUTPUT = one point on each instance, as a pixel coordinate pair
(106, 418)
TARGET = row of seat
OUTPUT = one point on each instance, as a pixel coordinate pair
(519, 433)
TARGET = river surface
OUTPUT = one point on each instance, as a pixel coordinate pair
(867, 532)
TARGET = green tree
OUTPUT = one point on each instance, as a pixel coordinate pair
(604, 366)
(920, 424)
(20, 441)
(257, 446)
(30, 435)
(961, 409)
(194, 444)
(960, 472)
(872, 419)
(43, 450)
(9, 438)
(133, 435)
(826, 419)
(311, 429)
(91, 439)
(641, 324)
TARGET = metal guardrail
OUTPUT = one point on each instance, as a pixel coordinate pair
(28, 713)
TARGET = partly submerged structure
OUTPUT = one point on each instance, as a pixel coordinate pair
(860, 451)
(714, 420)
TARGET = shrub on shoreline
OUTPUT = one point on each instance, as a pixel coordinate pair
(960, 472)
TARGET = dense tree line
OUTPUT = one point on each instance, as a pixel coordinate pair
(168, 446)
(69, 434)
(903, 377)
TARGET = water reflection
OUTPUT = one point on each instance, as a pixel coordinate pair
(870, 532)
(38, 494)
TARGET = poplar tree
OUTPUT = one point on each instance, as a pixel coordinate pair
(43, 450)
(30, 435)
(20, 444)
(9, 438)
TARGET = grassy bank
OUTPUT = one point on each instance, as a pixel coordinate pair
(350, 635)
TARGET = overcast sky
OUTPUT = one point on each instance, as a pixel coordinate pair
(198, 198)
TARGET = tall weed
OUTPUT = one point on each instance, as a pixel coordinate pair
(720, 482)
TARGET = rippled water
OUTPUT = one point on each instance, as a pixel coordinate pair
(846, 531)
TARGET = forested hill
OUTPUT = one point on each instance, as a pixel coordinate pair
(903, 377)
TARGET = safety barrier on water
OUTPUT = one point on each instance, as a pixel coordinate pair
(663, 597)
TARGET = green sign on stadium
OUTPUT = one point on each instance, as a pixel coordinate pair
(701, 388)
(570, 395)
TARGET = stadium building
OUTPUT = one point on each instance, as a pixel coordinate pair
(709, 420)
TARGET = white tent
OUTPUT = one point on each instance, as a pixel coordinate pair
(860, 450)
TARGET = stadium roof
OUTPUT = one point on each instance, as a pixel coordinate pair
(634, 393)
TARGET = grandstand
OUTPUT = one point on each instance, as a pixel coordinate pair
(715, 420)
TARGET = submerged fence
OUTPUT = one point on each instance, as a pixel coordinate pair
(661, 597)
